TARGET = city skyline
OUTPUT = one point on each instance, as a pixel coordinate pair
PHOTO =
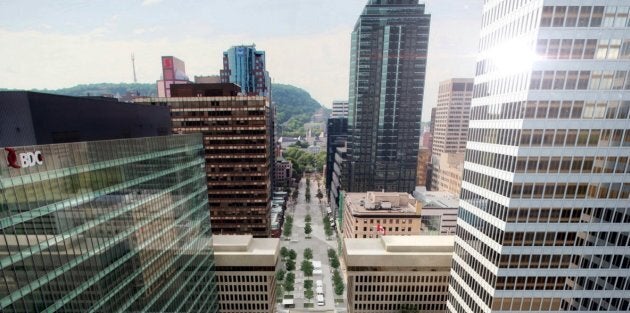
(102, 35)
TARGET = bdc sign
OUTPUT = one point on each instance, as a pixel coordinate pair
(25, 159)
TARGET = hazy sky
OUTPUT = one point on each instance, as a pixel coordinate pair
(61, 43)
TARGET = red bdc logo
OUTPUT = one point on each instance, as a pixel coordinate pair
(24, 160)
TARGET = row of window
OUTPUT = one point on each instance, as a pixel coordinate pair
(375, 290)
(528, 239)
(545, 215)
(602, 49)
(538, 261)
(553, 110)
(514, 28)
(497, 161)
(598, 304)
(558, 261)
(585, 16)
(401, 279)
(242, 297)
(243, 307)
(473, 284)
(440, 306)
(573, 138)
(496, 185)
(567, 49)
(568, 164)
(580, 80)
(568, 191)
(489, 206)
(475, 264)
(506, 137)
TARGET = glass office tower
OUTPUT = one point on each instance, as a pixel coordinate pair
(387, 70)
(106, 226)
(544, 217)
(246, 67)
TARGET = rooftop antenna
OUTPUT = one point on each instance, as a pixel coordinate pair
(133, 64)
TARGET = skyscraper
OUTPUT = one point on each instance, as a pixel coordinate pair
(237, 134)
(387, 69)
(173, 72)
(106, 226)
(450, 132)
(339, 108)
(246, 67)
(337, 135)
(544, 211)
(451, 116)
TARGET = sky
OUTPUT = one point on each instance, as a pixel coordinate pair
(62, 43)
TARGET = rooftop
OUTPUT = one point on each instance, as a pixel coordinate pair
(381, 203)
(400, 251)
(435, 199)
(245, 250)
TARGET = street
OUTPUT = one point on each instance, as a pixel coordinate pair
(318, 243)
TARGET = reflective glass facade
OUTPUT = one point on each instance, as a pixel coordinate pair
(387, 71)
(106, 226)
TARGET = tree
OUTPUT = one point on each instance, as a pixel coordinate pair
(307, 219)
(284, 252)
(331, 253)
(308, 253)
(308, 229)
(308, 284)
(289, 282)
(290, 265)
(334, 262)
(280, 274)
(307, 268)
(320, 195)
(292, 254)
(339, 289)
(338, 282)
(308, 294)
(286, 232)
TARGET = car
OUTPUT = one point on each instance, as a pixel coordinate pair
(319, 283)
(320, 300)
(319, 291)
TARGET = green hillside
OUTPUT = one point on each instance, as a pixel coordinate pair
(295, 106)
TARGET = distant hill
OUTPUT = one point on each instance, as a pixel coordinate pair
(295, 106)
(119, 89)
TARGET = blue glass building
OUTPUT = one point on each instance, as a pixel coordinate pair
(246, 67)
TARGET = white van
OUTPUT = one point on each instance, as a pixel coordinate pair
(319, 291)
(320, 300)
(319, 283)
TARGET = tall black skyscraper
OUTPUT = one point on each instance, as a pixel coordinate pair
(387, 70)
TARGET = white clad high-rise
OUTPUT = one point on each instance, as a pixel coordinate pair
(544, 215)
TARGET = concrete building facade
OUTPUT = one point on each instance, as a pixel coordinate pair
(447, 171)
(374, 214)
(246, 273)
(339, 109)
(545, 210)
(452, 113)
(439, 211)
(393, 273)
(173, 73)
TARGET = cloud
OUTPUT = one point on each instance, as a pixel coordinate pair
(317, 63)
(150, 2)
